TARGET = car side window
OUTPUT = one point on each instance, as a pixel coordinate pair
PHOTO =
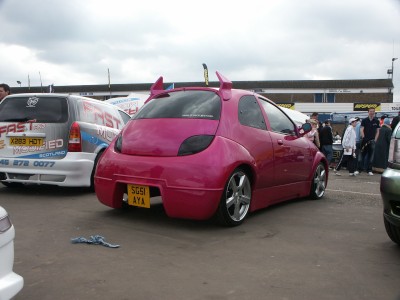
(125, 117)
(250, 113)
(278, 121)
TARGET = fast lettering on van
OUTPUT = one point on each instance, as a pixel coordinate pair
(100, 116)
(21, 127)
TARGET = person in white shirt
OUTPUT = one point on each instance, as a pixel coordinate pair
(349, 149)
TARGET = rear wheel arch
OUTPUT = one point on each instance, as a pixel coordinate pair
(96, 160)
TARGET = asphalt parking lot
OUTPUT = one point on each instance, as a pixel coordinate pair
(334, 248)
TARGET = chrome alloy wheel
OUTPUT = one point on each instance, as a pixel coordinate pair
(238, 196)
(319, 182)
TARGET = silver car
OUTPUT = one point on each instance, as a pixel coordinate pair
(390, 189)
(54, 138)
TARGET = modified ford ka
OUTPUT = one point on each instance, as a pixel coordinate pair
(208, 152)
(54, 139)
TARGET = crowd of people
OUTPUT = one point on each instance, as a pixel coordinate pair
(365, 143)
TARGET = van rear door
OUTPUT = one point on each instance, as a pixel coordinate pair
(34, 126)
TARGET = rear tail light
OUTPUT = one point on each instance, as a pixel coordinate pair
(195, 144)
(5, 224)
(75, 139)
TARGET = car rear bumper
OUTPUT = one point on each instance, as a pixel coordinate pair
(10, 282)
(74, 169)
(190, 187)
(178, 201)
(390, 192)
(10, 285)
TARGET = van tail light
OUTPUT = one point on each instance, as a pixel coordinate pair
(75, 139)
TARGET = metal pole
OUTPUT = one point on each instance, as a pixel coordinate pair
(393, 59)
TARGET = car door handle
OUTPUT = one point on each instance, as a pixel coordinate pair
(280, 142)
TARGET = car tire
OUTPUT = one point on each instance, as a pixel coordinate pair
(91, 188)
(235, 201)
(12, 184)
(318, 184)
(392, 231)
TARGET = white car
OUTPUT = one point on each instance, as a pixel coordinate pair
(10, 282)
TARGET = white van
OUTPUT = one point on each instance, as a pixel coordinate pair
(54, 138)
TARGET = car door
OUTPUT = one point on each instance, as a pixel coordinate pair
(292, 155)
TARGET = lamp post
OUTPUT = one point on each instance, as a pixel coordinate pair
(393, 59)
(390, 73)
(19, 82)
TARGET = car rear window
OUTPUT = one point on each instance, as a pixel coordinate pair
(183, 105)
(39, 109)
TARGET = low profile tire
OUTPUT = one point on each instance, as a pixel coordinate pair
(392, 231)
(235, 201)
(91, 188)
(318, 184)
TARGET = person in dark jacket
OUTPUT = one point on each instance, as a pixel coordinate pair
(326, 140)
(381, 155)
(395, 121)
(369, 133)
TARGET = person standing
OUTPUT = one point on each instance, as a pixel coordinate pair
(349, 149)
(313, 135)
(395, 121)
(326, 141)
(369, 133)
(358, 144)
(4, 91)
(381, 155)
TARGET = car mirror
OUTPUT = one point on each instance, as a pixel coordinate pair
(305, 128)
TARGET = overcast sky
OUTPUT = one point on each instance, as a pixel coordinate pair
(76, 41)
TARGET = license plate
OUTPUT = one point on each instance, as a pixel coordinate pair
(26, 141)
(139, 195)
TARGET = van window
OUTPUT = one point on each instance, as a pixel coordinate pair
(39, 109)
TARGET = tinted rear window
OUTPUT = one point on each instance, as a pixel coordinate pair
(40, 109)
(183, 105)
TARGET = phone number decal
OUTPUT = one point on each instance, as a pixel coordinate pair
(27, 163)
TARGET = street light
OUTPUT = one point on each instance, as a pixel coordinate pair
(19, 82)
(391, 71)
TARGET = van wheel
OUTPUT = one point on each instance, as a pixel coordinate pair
(235, 200)
(12, 184)
(94, 170)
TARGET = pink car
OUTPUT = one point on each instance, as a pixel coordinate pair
(210, 152)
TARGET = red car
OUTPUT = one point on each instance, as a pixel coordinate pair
(210, 152)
